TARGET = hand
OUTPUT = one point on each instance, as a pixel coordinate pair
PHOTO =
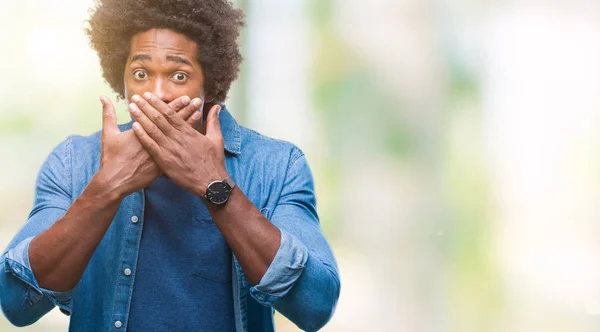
(124, 163)
(190, 159)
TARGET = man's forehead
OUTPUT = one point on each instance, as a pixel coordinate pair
(162, 42)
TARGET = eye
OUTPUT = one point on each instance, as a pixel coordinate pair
(140, 74)
(180, 77)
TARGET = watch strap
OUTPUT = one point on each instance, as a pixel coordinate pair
(229, 182)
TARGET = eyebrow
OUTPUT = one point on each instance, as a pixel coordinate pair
(178, 59)
(141, 57)
(172, 58)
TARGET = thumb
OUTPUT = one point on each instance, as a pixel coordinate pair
(109, 117)
(213, 126)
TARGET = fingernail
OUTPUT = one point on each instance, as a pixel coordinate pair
(102, 101)
(197, 102)
(196, 115)
(219, 111)
(186, 100)
(147, 95)
(135, 98)
(133, 109)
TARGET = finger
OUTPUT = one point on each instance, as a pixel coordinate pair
(179, 103)
(153, 115)
(193, 120)
(187, 111)
(150, 128)
(147, 142)
(213, 126)
(109, 117)
(164, 109)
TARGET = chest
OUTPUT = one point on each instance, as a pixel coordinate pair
(179, 232)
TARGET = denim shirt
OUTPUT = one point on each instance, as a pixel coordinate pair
(302, 282)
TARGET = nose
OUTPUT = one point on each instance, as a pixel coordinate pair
(161, 91)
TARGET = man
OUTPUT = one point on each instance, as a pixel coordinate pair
(180, 220)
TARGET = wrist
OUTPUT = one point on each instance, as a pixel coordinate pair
(201, 185)
(218, 191)
(102, 186)
(231, 201)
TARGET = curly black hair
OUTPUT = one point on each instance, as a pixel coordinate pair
(213, 24)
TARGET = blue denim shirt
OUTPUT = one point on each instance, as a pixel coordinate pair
(302, 283)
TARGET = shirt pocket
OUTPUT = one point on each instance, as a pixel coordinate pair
(212, 256)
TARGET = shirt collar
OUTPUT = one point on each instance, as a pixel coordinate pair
(232, 136)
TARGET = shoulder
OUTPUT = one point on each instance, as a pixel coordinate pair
(259, 145)
(83, 151)
(267, 168)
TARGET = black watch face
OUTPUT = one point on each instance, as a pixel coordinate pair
(218, 192)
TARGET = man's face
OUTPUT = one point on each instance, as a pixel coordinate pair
(164, 63)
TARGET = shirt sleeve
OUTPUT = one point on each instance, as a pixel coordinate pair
(22, 300)
(302, 282)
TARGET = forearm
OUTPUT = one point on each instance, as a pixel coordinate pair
(59, 255)
(300, 284)
(251, 237)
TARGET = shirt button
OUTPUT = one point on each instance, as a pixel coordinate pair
(127, 272)
(118, 324)
(134, 219)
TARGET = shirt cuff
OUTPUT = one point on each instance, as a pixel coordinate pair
(17, 263)
(286, 268)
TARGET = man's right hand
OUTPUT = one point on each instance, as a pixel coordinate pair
(125, 166)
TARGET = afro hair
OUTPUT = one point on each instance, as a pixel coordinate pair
(213, 24)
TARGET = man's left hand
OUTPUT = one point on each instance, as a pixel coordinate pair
(190, 159)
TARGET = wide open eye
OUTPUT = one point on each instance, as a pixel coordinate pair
(140, 74)
(180, 77)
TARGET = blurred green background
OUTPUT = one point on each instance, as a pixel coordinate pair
(454, 146)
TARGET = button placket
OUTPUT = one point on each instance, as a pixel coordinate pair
(128, 260)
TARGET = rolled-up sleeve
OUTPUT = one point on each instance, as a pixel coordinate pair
(22, 300)
(302, 282)
(286, 268)
(25, 300)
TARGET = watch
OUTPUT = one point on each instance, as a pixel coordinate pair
(218, 192)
